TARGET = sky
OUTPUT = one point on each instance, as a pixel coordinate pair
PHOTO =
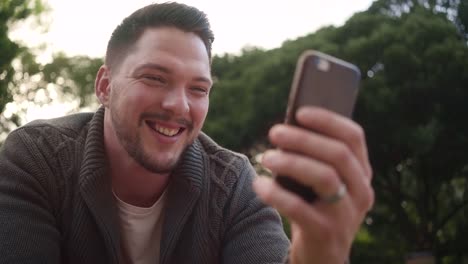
(84, 27)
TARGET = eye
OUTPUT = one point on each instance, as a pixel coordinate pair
(199, 90)
(154, 79)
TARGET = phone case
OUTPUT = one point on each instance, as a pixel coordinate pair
(324, 81)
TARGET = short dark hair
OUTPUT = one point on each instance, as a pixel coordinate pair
(171, 14)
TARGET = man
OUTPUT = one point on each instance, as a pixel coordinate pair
(138, 182)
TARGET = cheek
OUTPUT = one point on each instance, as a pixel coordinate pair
(199, 111)
(127, 107)
(131, 98)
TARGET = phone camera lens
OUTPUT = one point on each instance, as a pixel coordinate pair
(321, 64)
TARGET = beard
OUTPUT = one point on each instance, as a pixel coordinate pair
(133, 143)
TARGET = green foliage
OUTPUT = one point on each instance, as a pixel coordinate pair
(73, 75)
(251, 90)
(64, 80)
(240, 101)
(412, 106)
(12, 12)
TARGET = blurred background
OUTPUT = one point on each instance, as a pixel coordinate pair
(413, 55)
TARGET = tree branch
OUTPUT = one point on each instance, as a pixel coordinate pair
(450, 215)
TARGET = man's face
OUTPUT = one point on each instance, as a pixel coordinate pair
(159, 97)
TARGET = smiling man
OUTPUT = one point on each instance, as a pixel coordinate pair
(138, 182)
(156, 100)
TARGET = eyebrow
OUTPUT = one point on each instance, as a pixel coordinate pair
(166, 70)
(154, 66)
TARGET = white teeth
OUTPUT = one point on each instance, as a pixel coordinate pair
(166, 131)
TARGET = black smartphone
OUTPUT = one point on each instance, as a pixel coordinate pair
(324, 81)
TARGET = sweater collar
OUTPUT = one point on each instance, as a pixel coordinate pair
(95, 186)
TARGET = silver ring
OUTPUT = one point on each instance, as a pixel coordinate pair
(337, 196)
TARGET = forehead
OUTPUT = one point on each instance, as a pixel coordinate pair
(172, 47)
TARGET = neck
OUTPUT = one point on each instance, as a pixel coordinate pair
(135, 185)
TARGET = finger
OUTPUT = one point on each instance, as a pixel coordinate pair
(339, 127)
(319, 176)
(322, 148)
(287, 203)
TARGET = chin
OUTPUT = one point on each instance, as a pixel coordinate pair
(159, 167)
(160, 164)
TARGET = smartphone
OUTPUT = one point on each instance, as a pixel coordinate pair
(324, 81)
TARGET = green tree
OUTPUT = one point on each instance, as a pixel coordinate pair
(11, 13)
(73, 76)
(412, 107)
(414, 60)
(66, 80)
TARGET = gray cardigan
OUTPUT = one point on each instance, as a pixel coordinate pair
(56, 204)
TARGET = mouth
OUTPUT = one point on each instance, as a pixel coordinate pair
(165, 130)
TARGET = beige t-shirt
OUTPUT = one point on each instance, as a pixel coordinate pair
(140, 229)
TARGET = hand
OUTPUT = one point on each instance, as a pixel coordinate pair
(332, 153)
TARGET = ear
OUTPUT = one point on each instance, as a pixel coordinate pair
(102, 86)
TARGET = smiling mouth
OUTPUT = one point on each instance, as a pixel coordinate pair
(165, 131)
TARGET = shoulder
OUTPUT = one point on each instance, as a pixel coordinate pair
(230, 173)
(222, 158)
(68, 126)
(51, 132)
(234, 200)
(39, 144)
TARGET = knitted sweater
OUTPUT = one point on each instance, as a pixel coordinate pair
(56, 202)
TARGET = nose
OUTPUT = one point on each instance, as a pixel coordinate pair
(175, 100)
